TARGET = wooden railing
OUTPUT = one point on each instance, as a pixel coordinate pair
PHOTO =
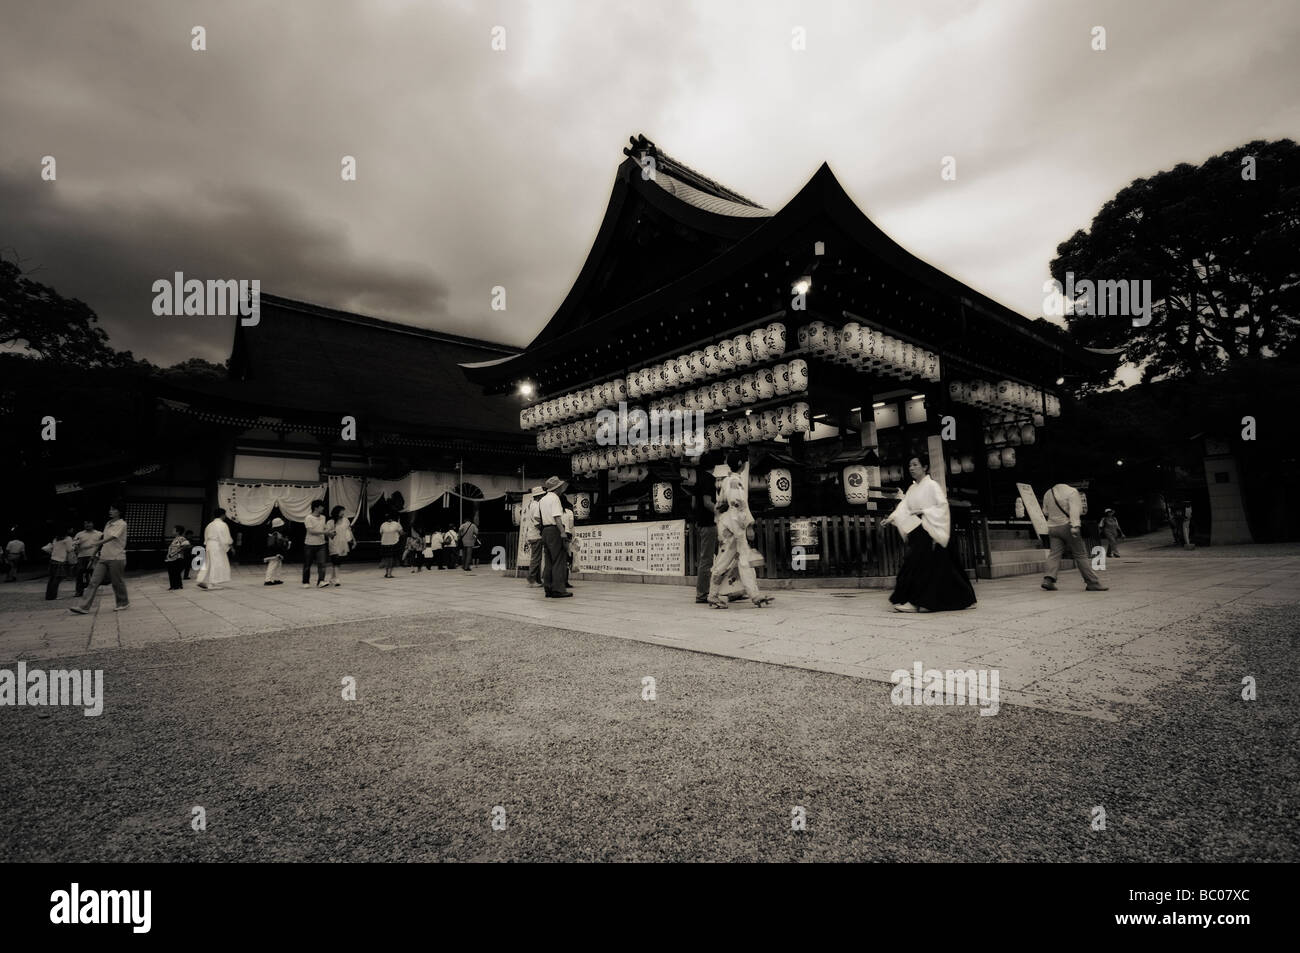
(847, 545)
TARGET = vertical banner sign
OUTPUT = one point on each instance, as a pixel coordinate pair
(1032, 508)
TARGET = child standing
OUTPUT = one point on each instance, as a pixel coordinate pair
(177, 552)
(341, 540)
(277, 544)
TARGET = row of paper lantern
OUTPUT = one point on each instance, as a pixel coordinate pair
(868, 349)
(728, 355)
(778, 481)
(712, 360)
(1014, 436)
(581, 508)
(764, 384)
(1004, 395)
(732, 432)
(580, 403)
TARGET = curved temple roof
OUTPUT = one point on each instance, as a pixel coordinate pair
(672, 237)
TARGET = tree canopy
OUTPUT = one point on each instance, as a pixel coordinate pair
(1220, 245)
(38, 318)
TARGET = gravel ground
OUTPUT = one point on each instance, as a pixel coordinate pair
(550, 725)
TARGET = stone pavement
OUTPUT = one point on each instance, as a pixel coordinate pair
(1089, 654)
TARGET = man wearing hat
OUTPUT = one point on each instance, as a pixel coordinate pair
(531, 522)
(277, 544)
(555, 570)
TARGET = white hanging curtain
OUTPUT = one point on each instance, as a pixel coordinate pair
(419, 488)
(345, 491)
(249, 504)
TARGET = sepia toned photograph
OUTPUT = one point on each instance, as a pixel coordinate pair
(694, 432)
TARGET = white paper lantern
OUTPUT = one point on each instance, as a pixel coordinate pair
(994, 460)
(954, 465)
(856, 483)
(695, 365)
(781, 379)
(780, 487)
(758, 344)
(748, 389)
(1028, 435)
(850, 342)
(775, 338)
(1008, 457)
(803, 336)
(764, 384)
(967, 464)
(663, 497)
(744, 350)
(803, 417)
(798, 376)
(581, 506)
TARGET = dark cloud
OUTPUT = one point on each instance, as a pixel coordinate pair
(479, 168)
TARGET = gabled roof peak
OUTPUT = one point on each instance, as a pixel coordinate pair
(640, 145)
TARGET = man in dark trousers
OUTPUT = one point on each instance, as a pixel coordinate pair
(706, 496)
(1063, 509)
(555, 568)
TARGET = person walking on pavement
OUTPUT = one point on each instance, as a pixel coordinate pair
(468, 533)
(15, 553)
(1111, 532)
(217, 544)
(706, 500)
(110, 564)
(87, 541)
(1063, 509)
(62, 550)
(555, 578)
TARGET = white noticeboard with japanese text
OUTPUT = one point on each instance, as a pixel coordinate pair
(650, 549)
(1032, 509)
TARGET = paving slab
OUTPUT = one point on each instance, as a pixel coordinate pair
(1094, 655)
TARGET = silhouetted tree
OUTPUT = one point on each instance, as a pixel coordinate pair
(1220, 244)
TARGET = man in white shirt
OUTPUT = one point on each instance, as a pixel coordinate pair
(532, 527)
(1063, 509)
(313, 545)
(555, 575)
(110, 565)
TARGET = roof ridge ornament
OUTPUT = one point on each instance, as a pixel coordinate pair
(639, 147)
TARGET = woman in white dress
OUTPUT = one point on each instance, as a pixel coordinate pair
(216, 544)
(341, 540)
(930, 579)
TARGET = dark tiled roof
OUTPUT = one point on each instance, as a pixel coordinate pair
(307, 357)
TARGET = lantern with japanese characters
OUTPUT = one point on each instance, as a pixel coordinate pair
(663, 498)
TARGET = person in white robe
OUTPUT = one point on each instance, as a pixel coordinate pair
(930, 580)
(217, 544)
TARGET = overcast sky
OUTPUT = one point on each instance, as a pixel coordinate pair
(478, 168)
